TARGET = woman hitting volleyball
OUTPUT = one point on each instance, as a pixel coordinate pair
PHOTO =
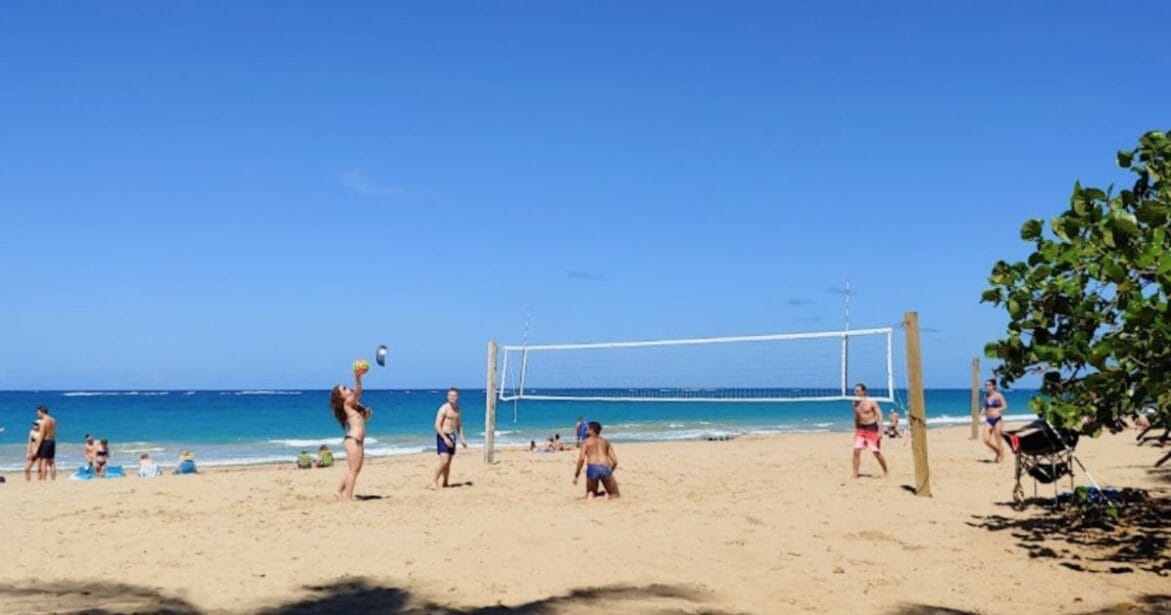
(348, 410)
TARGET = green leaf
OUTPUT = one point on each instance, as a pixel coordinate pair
(1031, 230)
(1108, 237)
(1125, 158)
(1125, 223)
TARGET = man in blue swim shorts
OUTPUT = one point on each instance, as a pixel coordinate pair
(600, 461)
(448, 426)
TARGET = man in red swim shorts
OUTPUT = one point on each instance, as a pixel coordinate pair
(867, 419)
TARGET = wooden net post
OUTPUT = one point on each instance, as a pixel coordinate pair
(918, 411)
(975, 397)
(490, 406)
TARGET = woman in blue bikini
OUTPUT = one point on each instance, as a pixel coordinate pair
(994, 409)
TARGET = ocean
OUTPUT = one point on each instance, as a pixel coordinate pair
(267, 426)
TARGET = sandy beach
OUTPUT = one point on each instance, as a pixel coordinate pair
(753, 525)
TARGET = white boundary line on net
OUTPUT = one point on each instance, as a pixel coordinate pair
(527, 396)
(703, 340)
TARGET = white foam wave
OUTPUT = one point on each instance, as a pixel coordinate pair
(964, 420)
(263, 392)
(115, 393)
(315, 442)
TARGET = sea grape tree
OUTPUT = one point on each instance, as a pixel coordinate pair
(1088, 309)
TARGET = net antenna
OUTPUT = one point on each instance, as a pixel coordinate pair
(784, 367)
(524, 361)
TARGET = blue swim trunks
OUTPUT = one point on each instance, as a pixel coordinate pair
(595, 471)
(442, 448)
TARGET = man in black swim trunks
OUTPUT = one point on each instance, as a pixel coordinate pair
(47, 451)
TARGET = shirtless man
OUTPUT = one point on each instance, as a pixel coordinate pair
(600, 461)
(47, 450)
(448, 425)
(30, 454)
(90, 450)
(867, 416)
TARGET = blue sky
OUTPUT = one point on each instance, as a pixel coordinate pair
(253, 194)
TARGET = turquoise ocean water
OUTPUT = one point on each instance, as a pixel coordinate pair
(247, 427)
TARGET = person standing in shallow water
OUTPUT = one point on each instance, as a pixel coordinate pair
(47, 451)
(30, 453)
(352, 415)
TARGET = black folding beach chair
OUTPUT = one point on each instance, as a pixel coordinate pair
(1043, 452)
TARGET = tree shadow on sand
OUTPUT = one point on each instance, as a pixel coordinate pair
(1141, 539)
(1145, 604)
(927, 609)
(91, 598)
(356, 596)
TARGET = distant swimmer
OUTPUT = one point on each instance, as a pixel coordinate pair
(994, 408)
(597, 455)
(448, 426)
(47, 450)
(867, 417)
(352, 415)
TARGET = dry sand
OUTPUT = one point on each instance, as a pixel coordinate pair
(758, 525)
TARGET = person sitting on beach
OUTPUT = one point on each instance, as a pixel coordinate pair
(30, 455)
(148, 468)
(867, 417)
(549, 446)
(186, 464)
(532, 446)
(324, 457)
(600, 461)
(101, 458)
(892, 430)
(304, 461)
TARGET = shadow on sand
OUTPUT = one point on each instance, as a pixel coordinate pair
(1143, 605)
(356, 596)
(1140, 540)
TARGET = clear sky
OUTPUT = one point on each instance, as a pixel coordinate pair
(251, 195)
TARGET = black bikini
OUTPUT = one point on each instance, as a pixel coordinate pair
(352, 438)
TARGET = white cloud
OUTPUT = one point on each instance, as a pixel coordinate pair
(361, 182)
